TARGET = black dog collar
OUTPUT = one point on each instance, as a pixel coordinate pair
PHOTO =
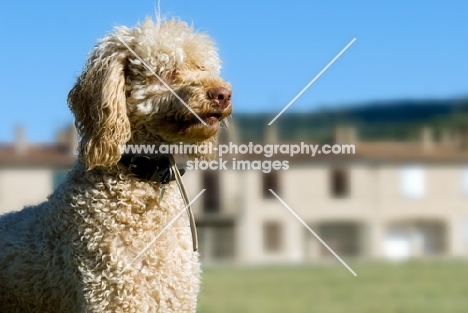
(153, 168)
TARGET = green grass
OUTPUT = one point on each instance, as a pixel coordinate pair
(384, 288)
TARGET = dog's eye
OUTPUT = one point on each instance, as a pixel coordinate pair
(201, 68)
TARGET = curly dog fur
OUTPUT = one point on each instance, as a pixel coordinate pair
(68, 253)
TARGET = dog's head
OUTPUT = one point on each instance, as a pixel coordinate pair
(155, 83)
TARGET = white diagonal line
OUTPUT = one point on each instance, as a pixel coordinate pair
(161, 80)
(161, 232)
(312, 81)
(312, 232)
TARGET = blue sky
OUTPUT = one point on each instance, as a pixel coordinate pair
(270, 51)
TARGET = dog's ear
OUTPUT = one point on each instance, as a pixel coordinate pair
(99, 104)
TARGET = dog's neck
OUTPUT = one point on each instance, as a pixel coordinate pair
(163, 169)
(156, 168)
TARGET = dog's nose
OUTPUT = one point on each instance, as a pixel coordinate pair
(221, 96)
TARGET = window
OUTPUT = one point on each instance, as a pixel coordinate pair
(339, 183)
(270, 181)
(465, 231)
(211, 199)
(223, 242)
(216, 240)
(58, 177)
(465, 181)
(272, 234)
(397, 244)
(344, 238)
(413, 182)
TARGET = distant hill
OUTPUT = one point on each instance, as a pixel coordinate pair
(391, 120)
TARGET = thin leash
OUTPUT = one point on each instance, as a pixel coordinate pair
(183, 192)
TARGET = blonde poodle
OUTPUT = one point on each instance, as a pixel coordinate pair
(77, 251)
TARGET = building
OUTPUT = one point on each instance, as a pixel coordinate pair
(389, 200)
(30, 172)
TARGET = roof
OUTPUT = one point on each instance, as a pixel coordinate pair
(408, 151)
(375, 152)
(36, 155)
(58, 155)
